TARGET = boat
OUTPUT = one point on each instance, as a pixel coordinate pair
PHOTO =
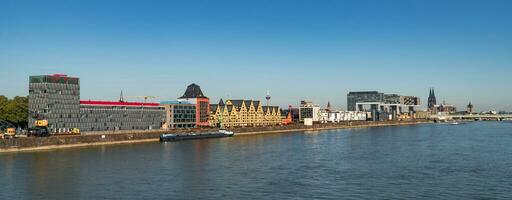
(455, 123)
(195, 136)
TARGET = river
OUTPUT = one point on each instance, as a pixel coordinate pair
(429, 161)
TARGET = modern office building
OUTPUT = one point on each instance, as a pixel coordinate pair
(179, 114)
(381, 105)
(340, 116)
(120, 115)
(363, 97)
(194, 95)
(309, 110)
(55, 98)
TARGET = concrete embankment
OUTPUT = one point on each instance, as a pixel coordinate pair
(122, 137)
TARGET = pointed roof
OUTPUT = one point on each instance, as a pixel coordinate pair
(256, 104)
(221, 102)
(121, 97)
(193, 91)
(213, 107)
(237, 103)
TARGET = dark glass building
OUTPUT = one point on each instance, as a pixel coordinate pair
(363, 97)
(55, 98)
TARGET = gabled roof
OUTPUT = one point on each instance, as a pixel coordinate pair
(213, 107)
(256, 104)
(230, 108)
(237, 103)
(193, 91)
(221, 103)
(265, 108)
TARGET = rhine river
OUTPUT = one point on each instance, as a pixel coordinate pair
(431, 161)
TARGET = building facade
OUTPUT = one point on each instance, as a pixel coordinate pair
(309, 110)
(383, 106)
(179, 114)
(241, 113)
(362, 97)
(55, 98)
(340, 116)
(194, 95)
(432, 101)
(117, 115)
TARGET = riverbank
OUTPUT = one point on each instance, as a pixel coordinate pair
(126, 137)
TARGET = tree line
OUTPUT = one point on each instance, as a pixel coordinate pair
(14, 110)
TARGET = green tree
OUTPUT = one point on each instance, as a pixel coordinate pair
(14, 110)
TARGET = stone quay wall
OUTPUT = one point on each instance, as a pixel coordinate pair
(111, 137)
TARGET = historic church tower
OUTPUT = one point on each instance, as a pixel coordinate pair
(432, 100)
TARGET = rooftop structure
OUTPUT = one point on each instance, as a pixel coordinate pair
(194, 95)
(193, 91)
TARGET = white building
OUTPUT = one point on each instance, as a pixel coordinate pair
(309, 110)
(339, 116)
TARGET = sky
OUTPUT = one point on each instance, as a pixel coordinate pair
(315, 50)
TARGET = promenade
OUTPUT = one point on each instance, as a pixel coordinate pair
(126, 137)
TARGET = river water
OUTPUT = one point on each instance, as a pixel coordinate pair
(432, 161)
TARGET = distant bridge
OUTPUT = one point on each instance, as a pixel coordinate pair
(472, 117)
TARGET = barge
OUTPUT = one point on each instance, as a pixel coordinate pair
(195, 136)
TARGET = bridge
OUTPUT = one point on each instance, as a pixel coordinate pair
(4, 125)
(497, 117)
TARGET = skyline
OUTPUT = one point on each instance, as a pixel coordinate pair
(316, 51)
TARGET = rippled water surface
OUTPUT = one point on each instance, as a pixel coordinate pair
(435, 161)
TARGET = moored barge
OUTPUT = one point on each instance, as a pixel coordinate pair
(195, 136)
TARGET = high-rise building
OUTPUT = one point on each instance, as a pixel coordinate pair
(194, 95)
(432, 102)
(55, 98)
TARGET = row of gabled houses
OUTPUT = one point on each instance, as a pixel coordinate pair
(239, 113)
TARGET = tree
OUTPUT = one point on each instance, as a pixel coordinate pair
(14, 110)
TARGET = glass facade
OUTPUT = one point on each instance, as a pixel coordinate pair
(358, 97)
(55, 98)
(179, 114)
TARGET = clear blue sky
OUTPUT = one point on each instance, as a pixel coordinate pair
(315, 50)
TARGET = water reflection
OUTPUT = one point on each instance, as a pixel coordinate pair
(425, 162)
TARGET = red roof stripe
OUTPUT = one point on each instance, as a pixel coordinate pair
(117, 103)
